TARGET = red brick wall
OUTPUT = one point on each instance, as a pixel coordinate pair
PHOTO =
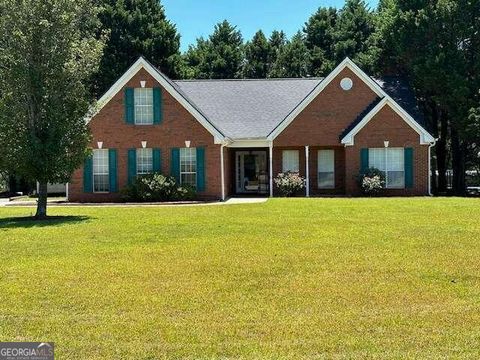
(325, 118)
(177, 126)
(388, 125)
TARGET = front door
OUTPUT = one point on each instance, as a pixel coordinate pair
(251, 172)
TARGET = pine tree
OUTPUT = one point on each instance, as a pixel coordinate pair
(257, 57)
(137, 28)
(292, 60)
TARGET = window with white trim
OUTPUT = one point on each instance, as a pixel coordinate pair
(326, 169)
(143, 100)
(188, 166)
(101, 181)
(144, 161)
(290, 161)
(392, 162)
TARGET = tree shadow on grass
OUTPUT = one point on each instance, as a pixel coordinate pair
(30, 221)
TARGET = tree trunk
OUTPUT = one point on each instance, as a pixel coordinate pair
(458, 164)
(441, 153)
(42, 201)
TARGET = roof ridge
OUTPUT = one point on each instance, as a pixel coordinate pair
(239, 80)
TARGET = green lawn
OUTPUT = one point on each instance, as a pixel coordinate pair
(302, 278)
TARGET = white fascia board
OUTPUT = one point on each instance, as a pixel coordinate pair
(425, 137)
(246, 143)
(346, 63)
(139, 64)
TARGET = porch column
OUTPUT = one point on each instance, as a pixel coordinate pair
(222, 171)
(270, 159)
(307, 171)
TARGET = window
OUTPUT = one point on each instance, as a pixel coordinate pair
(326, 169)
(101, 181)
(144, 161)
(143, 106)
(188, 166)
(391, 161)
(290, 161)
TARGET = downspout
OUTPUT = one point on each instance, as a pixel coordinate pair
(270, 148)
(222, 167)
(307, 172)
(430, 172)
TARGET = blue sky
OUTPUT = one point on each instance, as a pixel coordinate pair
(195, 18)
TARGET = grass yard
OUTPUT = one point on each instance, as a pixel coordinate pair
(287, 279)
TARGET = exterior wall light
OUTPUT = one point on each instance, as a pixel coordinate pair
(100, 144)
(187, 143)
(142, 83)
(144, 144)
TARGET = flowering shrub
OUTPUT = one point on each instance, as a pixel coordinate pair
(157, 187)
(289, 183)
(371, 181)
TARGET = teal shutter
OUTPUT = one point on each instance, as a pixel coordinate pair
(363, 160)
(157, 105)
(132, 165)
(157, 160)
(112, 169)
(175, 164)
(408, 167)
(129, 101)
(88, 175)
(200, 169)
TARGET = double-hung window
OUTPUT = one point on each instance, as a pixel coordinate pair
(326, 169)
(188, 166)
(290, 161)
(143, 100)
(101, 181)
(392, 162)
(144, 161)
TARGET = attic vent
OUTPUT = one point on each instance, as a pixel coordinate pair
(346, 83)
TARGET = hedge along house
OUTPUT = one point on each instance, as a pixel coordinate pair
(232, 137)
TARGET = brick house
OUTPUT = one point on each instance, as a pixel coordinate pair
(232, 137)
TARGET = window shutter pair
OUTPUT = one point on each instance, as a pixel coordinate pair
(112, 172)
(408, 164)
(132, 163)
(129, 101)
(175, 166)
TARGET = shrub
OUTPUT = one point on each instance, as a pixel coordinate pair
(157, 187)
(371, 181)
(289, 183)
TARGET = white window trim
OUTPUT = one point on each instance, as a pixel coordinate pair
(289, 157)
(149, 92)
(327, 172)
(194, 151)
(93, 171)
(138, 156)
(385, 151)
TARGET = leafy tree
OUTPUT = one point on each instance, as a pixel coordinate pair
(257, 57)
(219, 57)
(353, 34)
(292, 61)
(137, 28)
(45, 65)
(319, 33)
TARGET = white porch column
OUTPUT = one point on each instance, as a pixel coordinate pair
(222, 171)
(307, 171)
(270, 159)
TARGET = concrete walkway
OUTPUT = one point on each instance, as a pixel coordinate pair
(245, 200)
(4, 201)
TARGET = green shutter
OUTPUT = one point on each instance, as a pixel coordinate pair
(157, 160)
(132, 165)
(408, 167)
(129, 100)
(157, 105)
(363, 160)
(200, 169)
(112, 169)
(175, 164)
(88, 175)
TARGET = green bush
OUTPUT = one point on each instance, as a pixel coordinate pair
(157, 187)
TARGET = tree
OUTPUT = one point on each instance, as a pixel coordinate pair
(292, 60)
(276, 42)
(257, 57)
(137, 28)
(218, 57)
(319, 33)
(45, 66)
(353, 34)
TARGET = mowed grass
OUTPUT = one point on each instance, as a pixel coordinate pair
(287, 279)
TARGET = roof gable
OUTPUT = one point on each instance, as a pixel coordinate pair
(166, 84)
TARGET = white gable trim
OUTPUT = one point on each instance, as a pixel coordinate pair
(425, 137)
(347, 63)
(157, 75)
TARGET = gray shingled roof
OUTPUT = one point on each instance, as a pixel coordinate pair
(249, 109)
